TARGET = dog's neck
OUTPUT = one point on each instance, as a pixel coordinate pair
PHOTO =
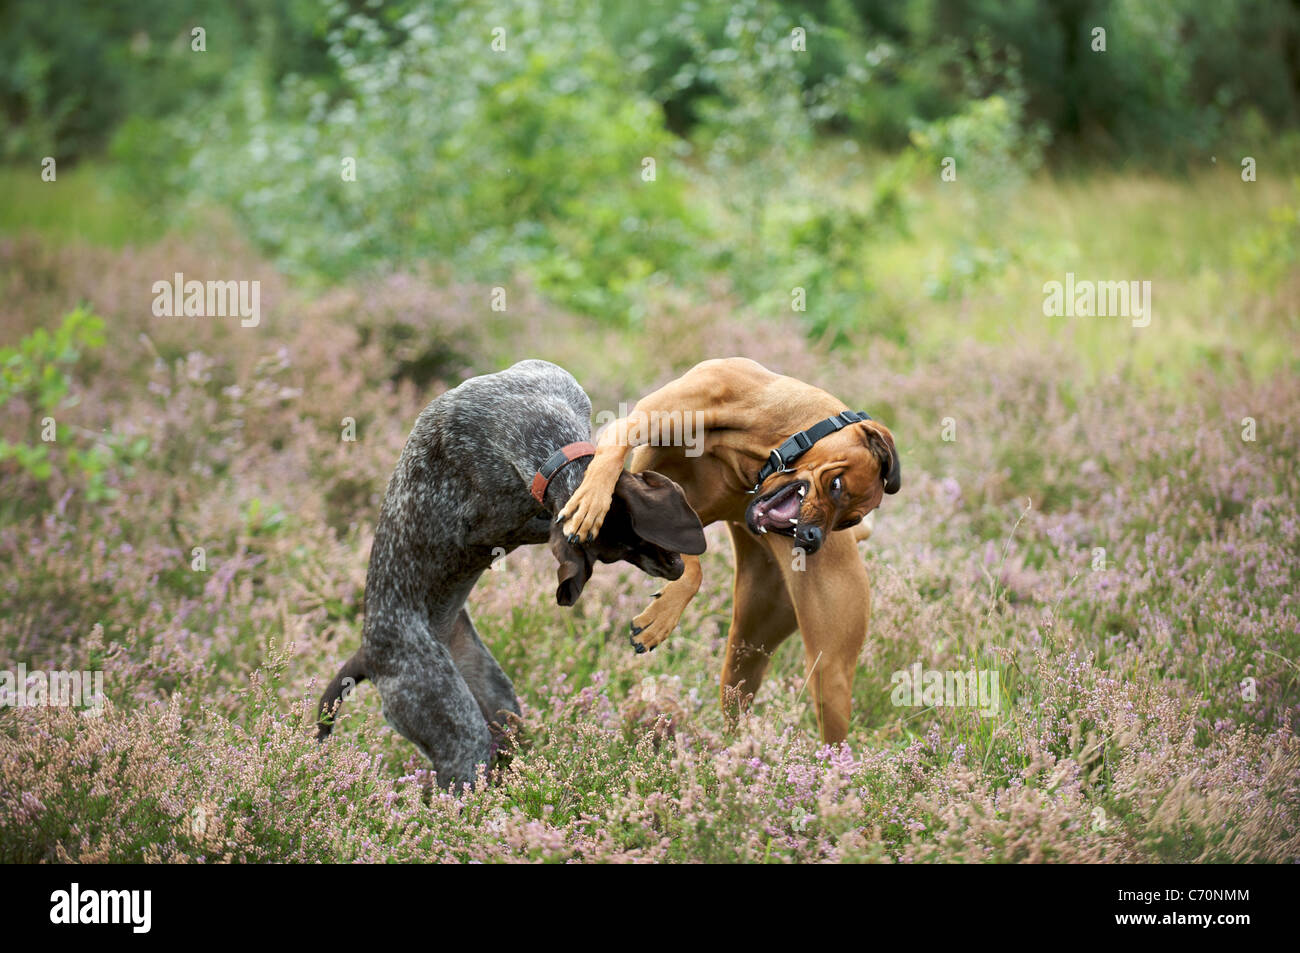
(564, 484)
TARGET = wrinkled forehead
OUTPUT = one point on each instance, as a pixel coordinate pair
(844, 448)
(844, 455)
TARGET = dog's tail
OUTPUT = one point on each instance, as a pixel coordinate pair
(350, 675)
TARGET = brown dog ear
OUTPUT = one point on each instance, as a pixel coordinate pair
(881, 443)
(574, 567)
(659, 512)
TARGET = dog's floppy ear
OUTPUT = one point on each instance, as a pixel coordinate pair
(574, 567)
(659, 512)
(881, 442)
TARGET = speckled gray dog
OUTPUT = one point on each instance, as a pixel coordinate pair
(459, 498)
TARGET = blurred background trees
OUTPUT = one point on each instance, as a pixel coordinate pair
(1179, 72)
(530, 160)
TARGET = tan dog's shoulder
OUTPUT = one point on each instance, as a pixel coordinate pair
(724, 381)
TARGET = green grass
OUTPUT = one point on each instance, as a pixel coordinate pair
(971, 263)
(81, 205)
(1179, 235)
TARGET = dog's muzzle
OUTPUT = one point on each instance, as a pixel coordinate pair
(810, 538)
(778, 511)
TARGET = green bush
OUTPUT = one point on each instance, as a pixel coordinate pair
(524, 160)
(35, 372)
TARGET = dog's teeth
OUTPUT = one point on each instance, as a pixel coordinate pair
(762, 529)
(794, 522)
(803, 490)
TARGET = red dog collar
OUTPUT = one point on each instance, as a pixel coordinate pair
(555, 462)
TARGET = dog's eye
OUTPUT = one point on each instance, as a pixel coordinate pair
(837, 486)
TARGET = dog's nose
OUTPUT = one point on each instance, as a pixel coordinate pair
(809, 537)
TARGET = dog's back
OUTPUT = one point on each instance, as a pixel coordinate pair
(460, 491)
(458, 498)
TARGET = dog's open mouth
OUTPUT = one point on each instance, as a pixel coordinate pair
(778, 511)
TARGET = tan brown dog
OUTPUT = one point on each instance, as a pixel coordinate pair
(807, 507)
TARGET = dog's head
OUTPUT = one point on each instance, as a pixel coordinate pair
(834, 484)
(649, 524)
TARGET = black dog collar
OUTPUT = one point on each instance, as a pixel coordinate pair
(795, 447)
(566, 454)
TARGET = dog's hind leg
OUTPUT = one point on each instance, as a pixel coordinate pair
(762, 617)
(428, 702)
(491, 687)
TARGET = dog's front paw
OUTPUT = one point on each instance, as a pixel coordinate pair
(654, 625)
(584, 514)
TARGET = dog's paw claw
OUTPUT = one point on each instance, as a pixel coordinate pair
(636, 630)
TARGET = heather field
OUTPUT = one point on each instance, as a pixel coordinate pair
(1096, 531)
(1099, 516)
